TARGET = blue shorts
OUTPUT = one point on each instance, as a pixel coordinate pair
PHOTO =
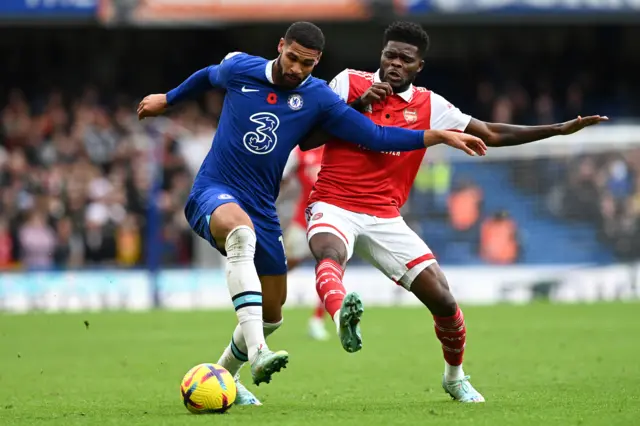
(270, 258)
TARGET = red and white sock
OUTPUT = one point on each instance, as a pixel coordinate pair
(329, 285)
(452, 333)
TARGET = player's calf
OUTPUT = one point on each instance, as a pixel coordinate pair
(331, 257)
(274, 289)
(432, 289)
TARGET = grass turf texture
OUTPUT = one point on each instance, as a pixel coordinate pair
(536, 365)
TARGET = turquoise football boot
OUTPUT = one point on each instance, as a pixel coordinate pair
(243, 396)
(349, 323)
(266, 364)
(461, 390)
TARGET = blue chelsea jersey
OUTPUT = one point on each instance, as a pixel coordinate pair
(259, 126)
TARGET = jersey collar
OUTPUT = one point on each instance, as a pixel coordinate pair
(268, 72)
(406, 95)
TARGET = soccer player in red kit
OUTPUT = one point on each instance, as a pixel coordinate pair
(355, 204)
(304, 167)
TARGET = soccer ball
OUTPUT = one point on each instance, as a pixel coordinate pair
(208, 388)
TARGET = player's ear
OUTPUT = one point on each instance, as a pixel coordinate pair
(421, 65)
(318, 59)
(281, 45)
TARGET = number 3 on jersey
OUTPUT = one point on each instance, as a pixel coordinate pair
(264, 139)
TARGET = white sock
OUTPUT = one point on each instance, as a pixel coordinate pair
(245, 288)
(235, 354)
(270, 327)
(453, 372)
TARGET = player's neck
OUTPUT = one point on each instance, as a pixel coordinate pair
(401, 89)
(276, 73)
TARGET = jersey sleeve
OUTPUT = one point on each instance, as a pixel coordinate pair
(206, 78)
(340, 85)
(344, 122)
(445, 116)
(292, 165)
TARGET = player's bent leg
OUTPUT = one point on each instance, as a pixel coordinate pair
(432, 289)
(332, 234)
(245, 286)
(271, 265)
(331, 254)
(394, 248)
(231, 223)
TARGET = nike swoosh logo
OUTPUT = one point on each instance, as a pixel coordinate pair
(245, 90)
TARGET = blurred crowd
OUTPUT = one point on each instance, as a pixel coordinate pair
(600, 189)
(77, 177)
(78, 171)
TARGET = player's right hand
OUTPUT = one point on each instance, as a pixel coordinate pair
(465, 142)
(152, 106)
(376, 93)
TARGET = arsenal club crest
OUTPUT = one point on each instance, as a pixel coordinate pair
(411, 115)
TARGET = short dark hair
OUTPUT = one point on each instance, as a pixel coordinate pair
(305, 34)
(407, 32)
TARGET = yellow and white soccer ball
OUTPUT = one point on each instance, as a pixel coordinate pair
(208, 388)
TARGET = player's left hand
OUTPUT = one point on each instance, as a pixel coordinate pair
(152, 106)
(465, 142)
(577, 124)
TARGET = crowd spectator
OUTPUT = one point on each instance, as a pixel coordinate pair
(78, 172)
(77, 177)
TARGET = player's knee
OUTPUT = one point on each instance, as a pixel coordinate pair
(240, 243)
(328, 246)
(226, 219)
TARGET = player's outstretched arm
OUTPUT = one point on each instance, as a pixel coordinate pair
(499, 135)
(197, 83)
(347, 124)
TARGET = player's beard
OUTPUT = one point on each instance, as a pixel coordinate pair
(292, 81)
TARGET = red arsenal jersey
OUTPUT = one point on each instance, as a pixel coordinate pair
(305, 165)
(378, 183)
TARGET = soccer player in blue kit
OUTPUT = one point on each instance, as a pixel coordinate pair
(269, 107)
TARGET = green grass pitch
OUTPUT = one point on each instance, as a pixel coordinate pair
(540, 364)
